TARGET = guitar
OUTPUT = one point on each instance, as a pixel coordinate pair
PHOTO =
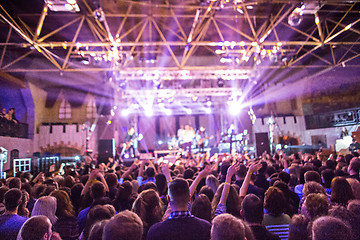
(131, 142)
(202, 140)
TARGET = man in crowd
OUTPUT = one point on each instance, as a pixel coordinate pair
(125, 225)
(10, 222)
(38, 228)
(180, 224)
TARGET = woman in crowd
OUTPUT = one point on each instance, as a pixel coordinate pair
(46, 206)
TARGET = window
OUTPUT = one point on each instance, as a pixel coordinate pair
(91, 109)
(65, 110)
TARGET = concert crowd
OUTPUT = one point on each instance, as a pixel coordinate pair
(219, 197)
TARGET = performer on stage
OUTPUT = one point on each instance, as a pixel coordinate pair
(201, 138)
(188, 136)
(130, 142)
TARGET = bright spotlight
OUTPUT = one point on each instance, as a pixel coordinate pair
(234, 107)
(208, 110)
(125, 112)
(149, 112)
(188, 111)
(168, 111)
(77, 158)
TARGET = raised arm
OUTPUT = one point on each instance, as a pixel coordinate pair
(166, 171)
(244, 187)
(206, 171)
(230, 172)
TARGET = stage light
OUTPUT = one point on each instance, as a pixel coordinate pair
(168, 111)
(108, 122)
(295, 18)
(126, 155)
(208, 103)
(208, 110)
(149, 112)
(234, 107)
(194, 98)
(63, 5)
(77, 158)
(220, 82)
(188, 111)
(125, 112)
(112, 113)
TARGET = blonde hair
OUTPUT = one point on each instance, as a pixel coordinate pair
(45, 206)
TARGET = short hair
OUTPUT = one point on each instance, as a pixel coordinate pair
(330, 228)
(312, 176)
(35, 228)
(150, 172)
(284, 176)
(189, 173)
(125, 225)
(226, 226)
(97, 230)
(15, 183)
(12, 199)
(252, 208)
(354, 207)
(179, 191)
(207, 191)
(355, 164)
(298, 227)
(274, 201)
(316, 205)
(313, 187)
(3, 190)
(327, 175)
(97, 190)
(111, 179)
(241, 173)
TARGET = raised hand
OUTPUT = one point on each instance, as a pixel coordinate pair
(255, 167)
(233, 169)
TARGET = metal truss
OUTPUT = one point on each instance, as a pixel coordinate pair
(133, 37)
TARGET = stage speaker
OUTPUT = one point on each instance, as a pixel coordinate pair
(262, 143)
(106, 149)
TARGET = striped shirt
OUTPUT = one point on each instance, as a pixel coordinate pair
(281, 230)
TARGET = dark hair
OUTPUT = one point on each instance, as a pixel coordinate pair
(150, 172)
(241, 173)
(274, 201)
(122, 199)
(97, 213)
(12, 199)
(252, 208)
(207, 191)
(15, 183)
(327, 176)
(97, 190)
(298, 228)
(35, 228)
(232, 202)
(341, 191)
(146, 186)
(179, 191)
(189, 173)
(312, 176)
(285, 177)
(97, 230)
(111, 179)
(161, 184)
(75, 196)
(3, 190)
(201, 207)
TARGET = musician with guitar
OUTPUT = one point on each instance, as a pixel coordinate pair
(202, 139)
(130, 142)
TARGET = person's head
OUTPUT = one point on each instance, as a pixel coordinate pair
(284, 176)
(12, 199)
(64, 207)
(131, 131)
(179, 193)
(327, 176)
(36, 228)
(201, 207)
(96, 214)
(45, 206)
(111, 180)
(354, 207)
(330, 228)
(241, 173)
(125, 225)
(189, 173)
(355, 186)
(97, 190)
(313, 187)
(298, 228)
(312, 176)
(227, 227)
(354, 166)
(97, 230)
(3, 190)
(212, 182)
(274, 201)
(341, 191)
(207, 191)
(148, 206)
(232, 202)
(15, 183)
(150, 172)
(315, 205)
(252, 209)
